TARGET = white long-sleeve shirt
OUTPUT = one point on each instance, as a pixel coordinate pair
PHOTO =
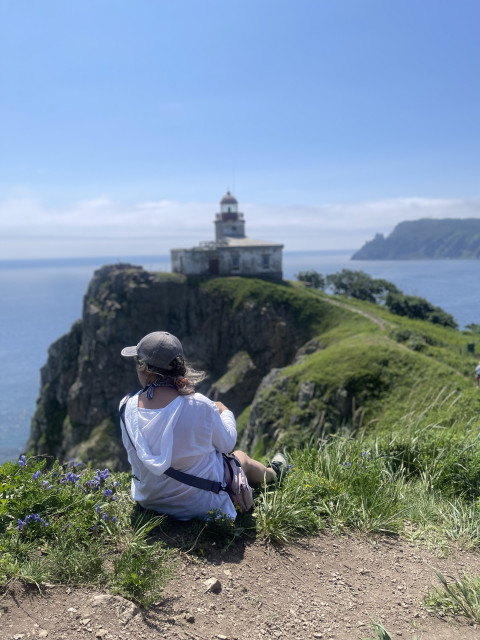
(189, 434)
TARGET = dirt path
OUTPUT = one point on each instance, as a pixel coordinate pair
(383, 324)
(325, 588)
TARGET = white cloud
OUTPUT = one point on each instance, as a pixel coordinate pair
(102, 227)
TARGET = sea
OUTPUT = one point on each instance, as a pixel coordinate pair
(40, 299)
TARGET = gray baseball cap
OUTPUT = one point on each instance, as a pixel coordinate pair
(157, 349)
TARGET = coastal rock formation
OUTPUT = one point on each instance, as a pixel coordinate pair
(293, 363)
(235, 329)
(425, 239)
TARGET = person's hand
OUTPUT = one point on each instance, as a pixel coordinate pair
(221, 407)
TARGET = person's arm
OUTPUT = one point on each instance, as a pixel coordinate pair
(221, 407)
(224, 429)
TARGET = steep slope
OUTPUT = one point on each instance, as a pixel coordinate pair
(374, 369)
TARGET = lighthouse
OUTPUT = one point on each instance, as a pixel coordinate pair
(229, 222)
(232, 253)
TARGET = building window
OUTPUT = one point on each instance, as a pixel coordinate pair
(266, 262)
(235, 263)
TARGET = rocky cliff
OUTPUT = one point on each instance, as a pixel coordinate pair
(425, 239)
(293, 363)
(236, 329)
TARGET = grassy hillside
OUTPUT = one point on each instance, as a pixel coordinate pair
(380, 418)
(366, 370)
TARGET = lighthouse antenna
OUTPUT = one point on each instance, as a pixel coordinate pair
(233, 176)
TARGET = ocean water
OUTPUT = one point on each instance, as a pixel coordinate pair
(40, 299)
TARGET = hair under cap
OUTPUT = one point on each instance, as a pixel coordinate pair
(157, 349)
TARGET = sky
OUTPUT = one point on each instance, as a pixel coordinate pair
(124, 122)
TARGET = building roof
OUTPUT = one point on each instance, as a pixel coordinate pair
(228, 199)
(248, 242)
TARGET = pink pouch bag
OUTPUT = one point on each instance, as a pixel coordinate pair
(238, 488)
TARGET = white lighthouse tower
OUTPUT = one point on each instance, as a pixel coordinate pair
(229, 222)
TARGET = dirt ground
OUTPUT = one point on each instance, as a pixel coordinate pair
(324, 588)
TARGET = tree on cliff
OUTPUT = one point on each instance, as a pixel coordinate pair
(358, 284)
(312, 277)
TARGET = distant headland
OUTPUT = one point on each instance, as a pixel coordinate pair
(427, 239)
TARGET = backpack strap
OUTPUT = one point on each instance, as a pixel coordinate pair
(194, 481)
(176, 474)
(122, 421)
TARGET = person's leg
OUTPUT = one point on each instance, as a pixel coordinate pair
(256, 472)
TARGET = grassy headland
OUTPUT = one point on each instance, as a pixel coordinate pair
(380, 419)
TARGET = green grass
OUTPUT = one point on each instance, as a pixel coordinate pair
(456, 596)
(364, 376)
(73, 525)
(307, 307)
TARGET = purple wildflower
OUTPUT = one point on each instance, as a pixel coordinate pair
(22, 460)
(114, 519)
(107, 493)
(31, 517)
(36, 475)
(72, 477)
(105, 517)
(102, 475)
(97, 508)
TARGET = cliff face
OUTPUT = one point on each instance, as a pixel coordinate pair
(425, 239)
(293, 364)
(235, 329)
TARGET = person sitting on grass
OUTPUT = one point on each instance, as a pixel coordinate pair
(167, 424)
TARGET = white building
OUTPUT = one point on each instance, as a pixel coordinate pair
(231, 253)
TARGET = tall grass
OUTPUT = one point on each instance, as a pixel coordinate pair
(421, 480)
(74, 525)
